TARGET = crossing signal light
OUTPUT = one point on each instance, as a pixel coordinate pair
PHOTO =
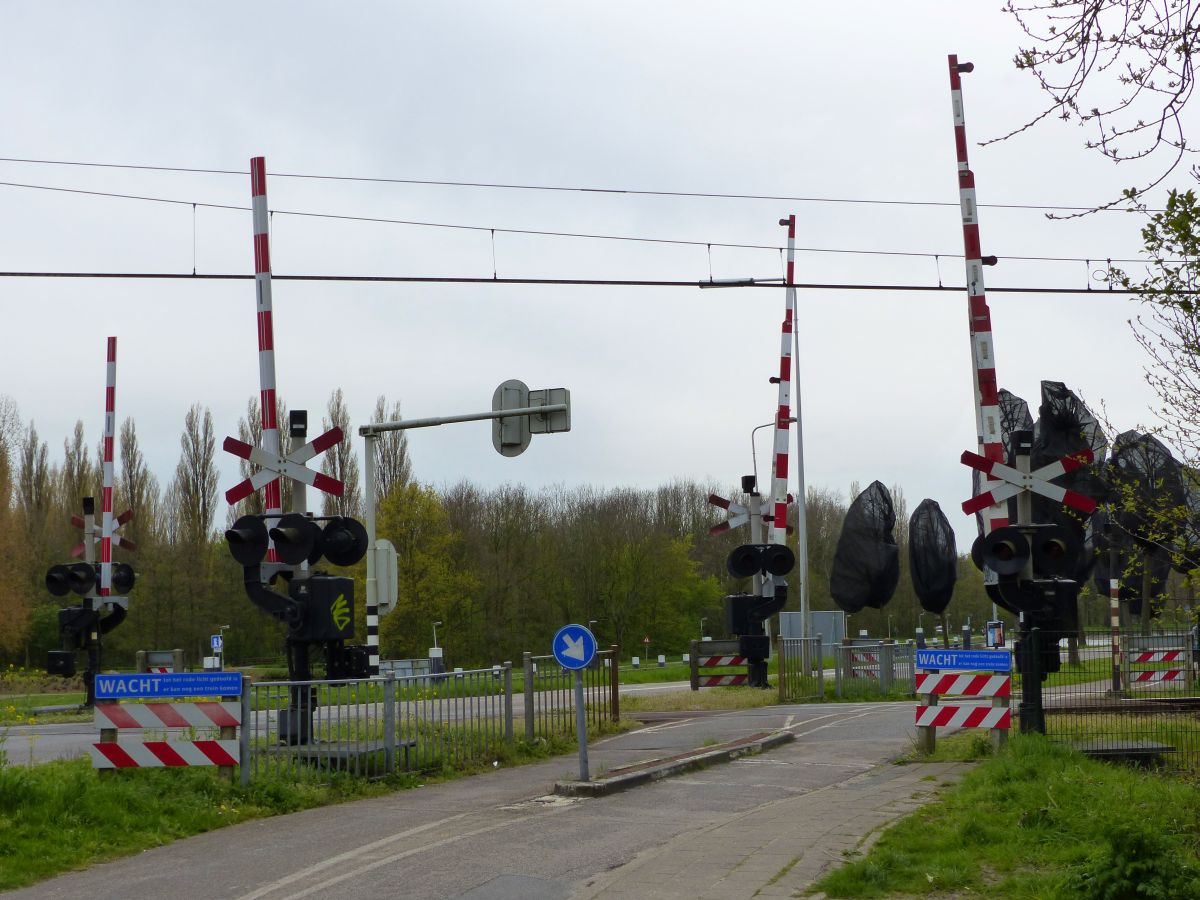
(81, 577)
(58, 581)
(1056, 551)
(766, 559)
(1005, 551)
(297, 538)
(123, 578)
(343, 541)
(248, 540)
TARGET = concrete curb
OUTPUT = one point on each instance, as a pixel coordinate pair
(620, 780)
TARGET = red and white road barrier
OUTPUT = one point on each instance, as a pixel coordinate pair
(1152, 656)
(716, 655)
(168, 715)
(722, 680)
(964, 717)
(964, 685)
(135, 754)
(1156, 676)
(152, 754)
(707, 662)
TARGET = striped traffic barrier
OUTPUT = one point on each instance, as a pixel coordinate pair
(719, 655)
(964, 717)
(1144, 665)
(964, 685)
(141, 753)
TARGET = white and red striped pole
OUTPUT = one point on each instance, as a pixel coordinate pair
(272, 494)
(987, 402)
(106, 483)
(783, 414)
(1114, 609)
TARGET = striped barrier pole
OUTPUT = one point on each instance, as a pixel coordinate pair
(783, 413)
(106, 477)
(987, 401)
(1114, 612)
(272, 491)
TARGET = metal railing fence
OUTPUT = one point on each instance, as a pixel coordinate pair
(549, 693)
(307, 731)
(800, 669)
(873, 669)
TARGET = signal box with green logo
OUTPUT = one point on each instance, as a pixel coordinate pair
(328, 603)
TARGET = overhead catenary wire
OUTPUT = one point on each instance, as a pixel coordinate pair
(918, 254)
(710, 195)
(572, 282)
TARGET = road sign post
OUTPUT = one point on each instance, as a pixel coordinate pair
(574, 648)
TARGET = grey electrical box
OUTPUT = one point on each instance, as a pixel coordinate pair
(554, 422)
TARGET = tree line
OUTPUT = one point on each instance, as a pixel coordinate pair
(501, 568)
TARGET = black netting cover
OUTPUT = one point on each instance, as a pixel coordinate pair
(866, 563)
(932, 556)
(1064, 427)
(1148, 489)
(1014, 416)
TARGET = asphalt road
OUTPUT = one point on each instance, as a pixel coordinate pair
(503, 835)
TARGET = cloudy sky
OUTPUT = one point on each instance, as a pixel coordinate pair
(835, 101)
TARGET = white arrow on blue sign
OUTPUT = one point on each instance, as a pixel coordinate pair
(217, 642)
(574, 647)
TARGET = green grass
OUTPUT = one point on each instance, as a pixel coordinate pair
(1038, 821)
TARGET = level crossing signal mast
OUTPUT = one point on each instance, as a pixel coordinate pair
(746, 613)
(81, 627)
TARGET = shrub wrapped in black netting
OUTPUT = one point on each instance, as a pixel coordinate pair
(932, 556)
(866, 563)
(1148, 493)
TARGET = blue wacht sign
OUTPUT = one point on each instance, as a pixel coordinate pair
(967, 660)
(180, 684)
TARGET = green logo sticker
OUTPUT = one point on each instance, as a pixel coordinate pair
(340, 612)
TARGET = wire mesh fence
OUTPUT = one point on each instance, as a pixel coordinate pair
(800, 669)
(1125, 694)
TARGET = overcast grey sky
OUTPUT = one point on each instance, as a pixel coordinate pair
(846, 101)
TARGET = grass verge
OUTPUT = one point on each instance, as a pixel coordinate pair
(1039, 821)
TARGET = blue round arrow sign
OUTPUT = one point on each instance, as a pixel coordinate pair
(574, 647)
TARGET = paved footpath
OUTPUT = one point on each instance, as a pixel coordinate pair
(756, 825)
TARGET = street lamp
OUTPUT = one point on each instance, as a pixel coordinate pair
(592, 622)
(702, 621)
(435, 625)
(221, 629)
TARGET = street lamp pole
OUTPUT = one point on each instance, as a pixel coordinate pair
(435, 626)
(702, 621)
